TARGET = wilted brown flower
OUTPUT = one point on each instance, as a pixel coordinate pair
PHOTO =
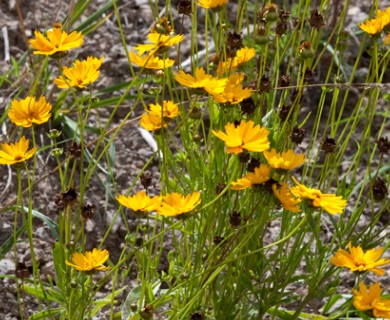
(379, 189)
(329, 145)
(184, 7)
(316, 19)
(383, 145)
(297, 135)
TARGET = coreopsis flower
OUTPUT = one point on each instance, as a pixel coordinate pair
(242, 56)
(152, 122)
(90, 260)
(174, 204)
(27, 111)
(260, 175)
(56, 41)
(211, 4)
(151, 62)
(169, 109)
(371, 299)
(286, 160)
(159, 42)
(381, 22)
(233, 92)
(16, 152)
(358, 260)
(288, 201)
(81, 74)
(201, 80)
(331, 203)
(246, 136)
(139, 202)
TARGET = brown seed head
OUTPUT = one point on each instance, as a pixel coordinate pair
(329, 145)
(248, 106)
(379, 189)
(146, 179)
(284, 112)
(235, 219)
(383, 145)
(297, 135)
(316, 19)
(88, 211)
(66, 198)
(285, 80)
(184, 7)
(234, 40)
(74, 149)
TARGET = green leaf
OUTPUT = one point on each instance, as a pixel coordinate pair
(47, 313)
(131, 299)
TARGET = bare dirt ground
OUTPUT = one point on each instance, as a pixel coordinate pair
(132, 150)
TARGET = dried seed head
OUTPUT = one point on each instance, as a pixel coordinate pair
(235, 219)
(329, 145)
(379, 189)
(220, 187)
(218, 240)
(234, 40)
(66, 198)
(265, 84)
(88, 211)
(184, 7)
(248, 106)
(281, 28)
(316, 19)
(284, 112)
(74, 149)
(383, 145)
(22, 270)
(197, 316)
(297, 135)
(146, 179)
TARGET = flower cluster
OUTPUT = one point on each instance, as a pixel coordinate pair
(250, 137)
(359, 261)
(169, 205)
(161, 38)
(158, 117)
(381, 23)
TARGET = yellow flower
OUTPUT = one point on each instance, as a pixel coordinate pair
(90, 260)
(358, 260)
(159, 42)
(372, 27)
(288, 201)
(169, 109)
(233, 92)
(375, 26)
(286, 160)
(174, 204)
(242, 56)
(201, 80)
(152, 122)
(139, 202)
(16, 152)
(259, 176)
(81, 74)
(211, 4)
(27, 111)
(371, 299)
(151, 62)
(246, 135)
(56, 41)
(331, 203)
